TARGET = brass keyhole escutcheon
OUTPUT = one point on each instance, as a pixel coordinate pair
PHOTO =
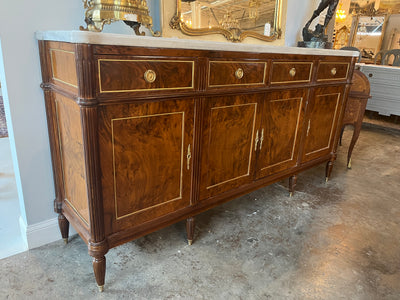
(333, 71)
(239, 73)
(292, 72)
(150, 76)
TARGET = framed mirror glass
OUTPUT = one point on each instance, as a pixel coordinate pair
(235, 19)
(368, 34)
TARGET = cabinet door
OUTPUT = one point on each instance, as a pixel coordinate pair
(229, 132)
(321, 122)
(280, 133)
(146, 160)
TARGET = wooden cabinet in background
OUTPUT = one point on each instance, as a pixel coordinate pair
(142, 137)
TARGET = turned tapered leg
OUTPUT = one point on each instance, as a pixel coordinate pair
(99, 268)
(292, 184)
(328, 170)
(63, 223)
(190, 230)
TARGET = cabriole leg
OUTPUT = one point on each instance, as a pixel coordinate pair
(63, 223)
(356, 134)
(292, 184)
(190, 230)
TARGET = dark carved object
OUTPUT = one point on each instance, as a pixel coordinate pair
(318, 35)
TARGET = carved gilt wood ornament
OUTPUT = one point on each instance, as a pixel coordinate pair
(133, 12)
(260, 19)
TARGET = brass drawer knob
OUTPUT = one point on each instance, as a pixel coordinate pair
(333, 71)
(239, 73)
(292, 72)
(150, 76)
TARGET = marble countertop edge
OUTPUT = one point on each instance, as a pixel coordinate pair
(86, 37)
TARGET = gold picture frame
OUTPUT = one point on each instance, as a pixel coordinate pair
(228, 25)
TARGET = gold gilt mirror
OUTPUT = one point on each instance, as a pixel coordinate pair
(234, 19)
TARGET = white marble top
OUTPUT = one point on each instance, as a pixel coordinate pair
(86, 37)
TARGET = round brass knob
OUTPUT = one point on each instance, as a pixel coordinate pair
(239, 73)
(150, 76)
(292, 72)
(333, 71)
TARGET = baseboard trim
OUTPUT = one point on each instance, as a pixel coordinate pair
(43, 233)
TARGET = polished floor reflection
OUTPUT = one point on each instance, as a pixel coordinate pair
(335, 240)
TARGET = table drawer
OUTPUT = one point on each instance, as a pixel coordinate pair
(118, 75)
(236, 73)
(328, 71)
(291, 72)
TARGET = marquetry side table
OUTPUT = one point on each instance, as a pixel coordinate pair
(355, 108)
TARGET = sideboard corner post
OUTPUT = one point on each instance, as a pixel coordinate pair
(97, 245)
(52, 126)
(88, 102)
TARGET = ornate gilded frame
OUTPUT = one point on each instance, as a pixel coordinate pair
(231, 34)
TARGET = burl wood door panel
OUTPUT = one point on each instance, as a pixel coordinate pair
(321, 121)
(280, 133)
(146, 160)
(229, 132)
(72, 156)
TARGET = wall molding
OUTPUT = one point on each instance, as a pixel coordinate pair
(43, 233)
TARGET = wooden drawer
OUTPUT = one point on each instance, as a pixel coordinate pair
(328, 71)
(236, 73)
(118, 75)
(291, 72)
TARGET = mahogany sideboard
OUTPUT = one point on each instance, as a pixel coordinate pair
(145, 132)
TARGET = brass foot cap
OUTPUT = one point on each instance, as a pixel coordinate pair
(349, 165)
(101, 288)
(291, 194)
(326, 179)
(65, 241)
(190, 242)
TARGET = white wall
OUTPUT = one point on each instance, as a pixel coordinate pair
(25, 111)
(298, 13)
(21, 80)
(21, 77)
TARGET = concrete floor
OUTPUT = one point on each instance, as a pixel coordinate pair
(335, 240)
